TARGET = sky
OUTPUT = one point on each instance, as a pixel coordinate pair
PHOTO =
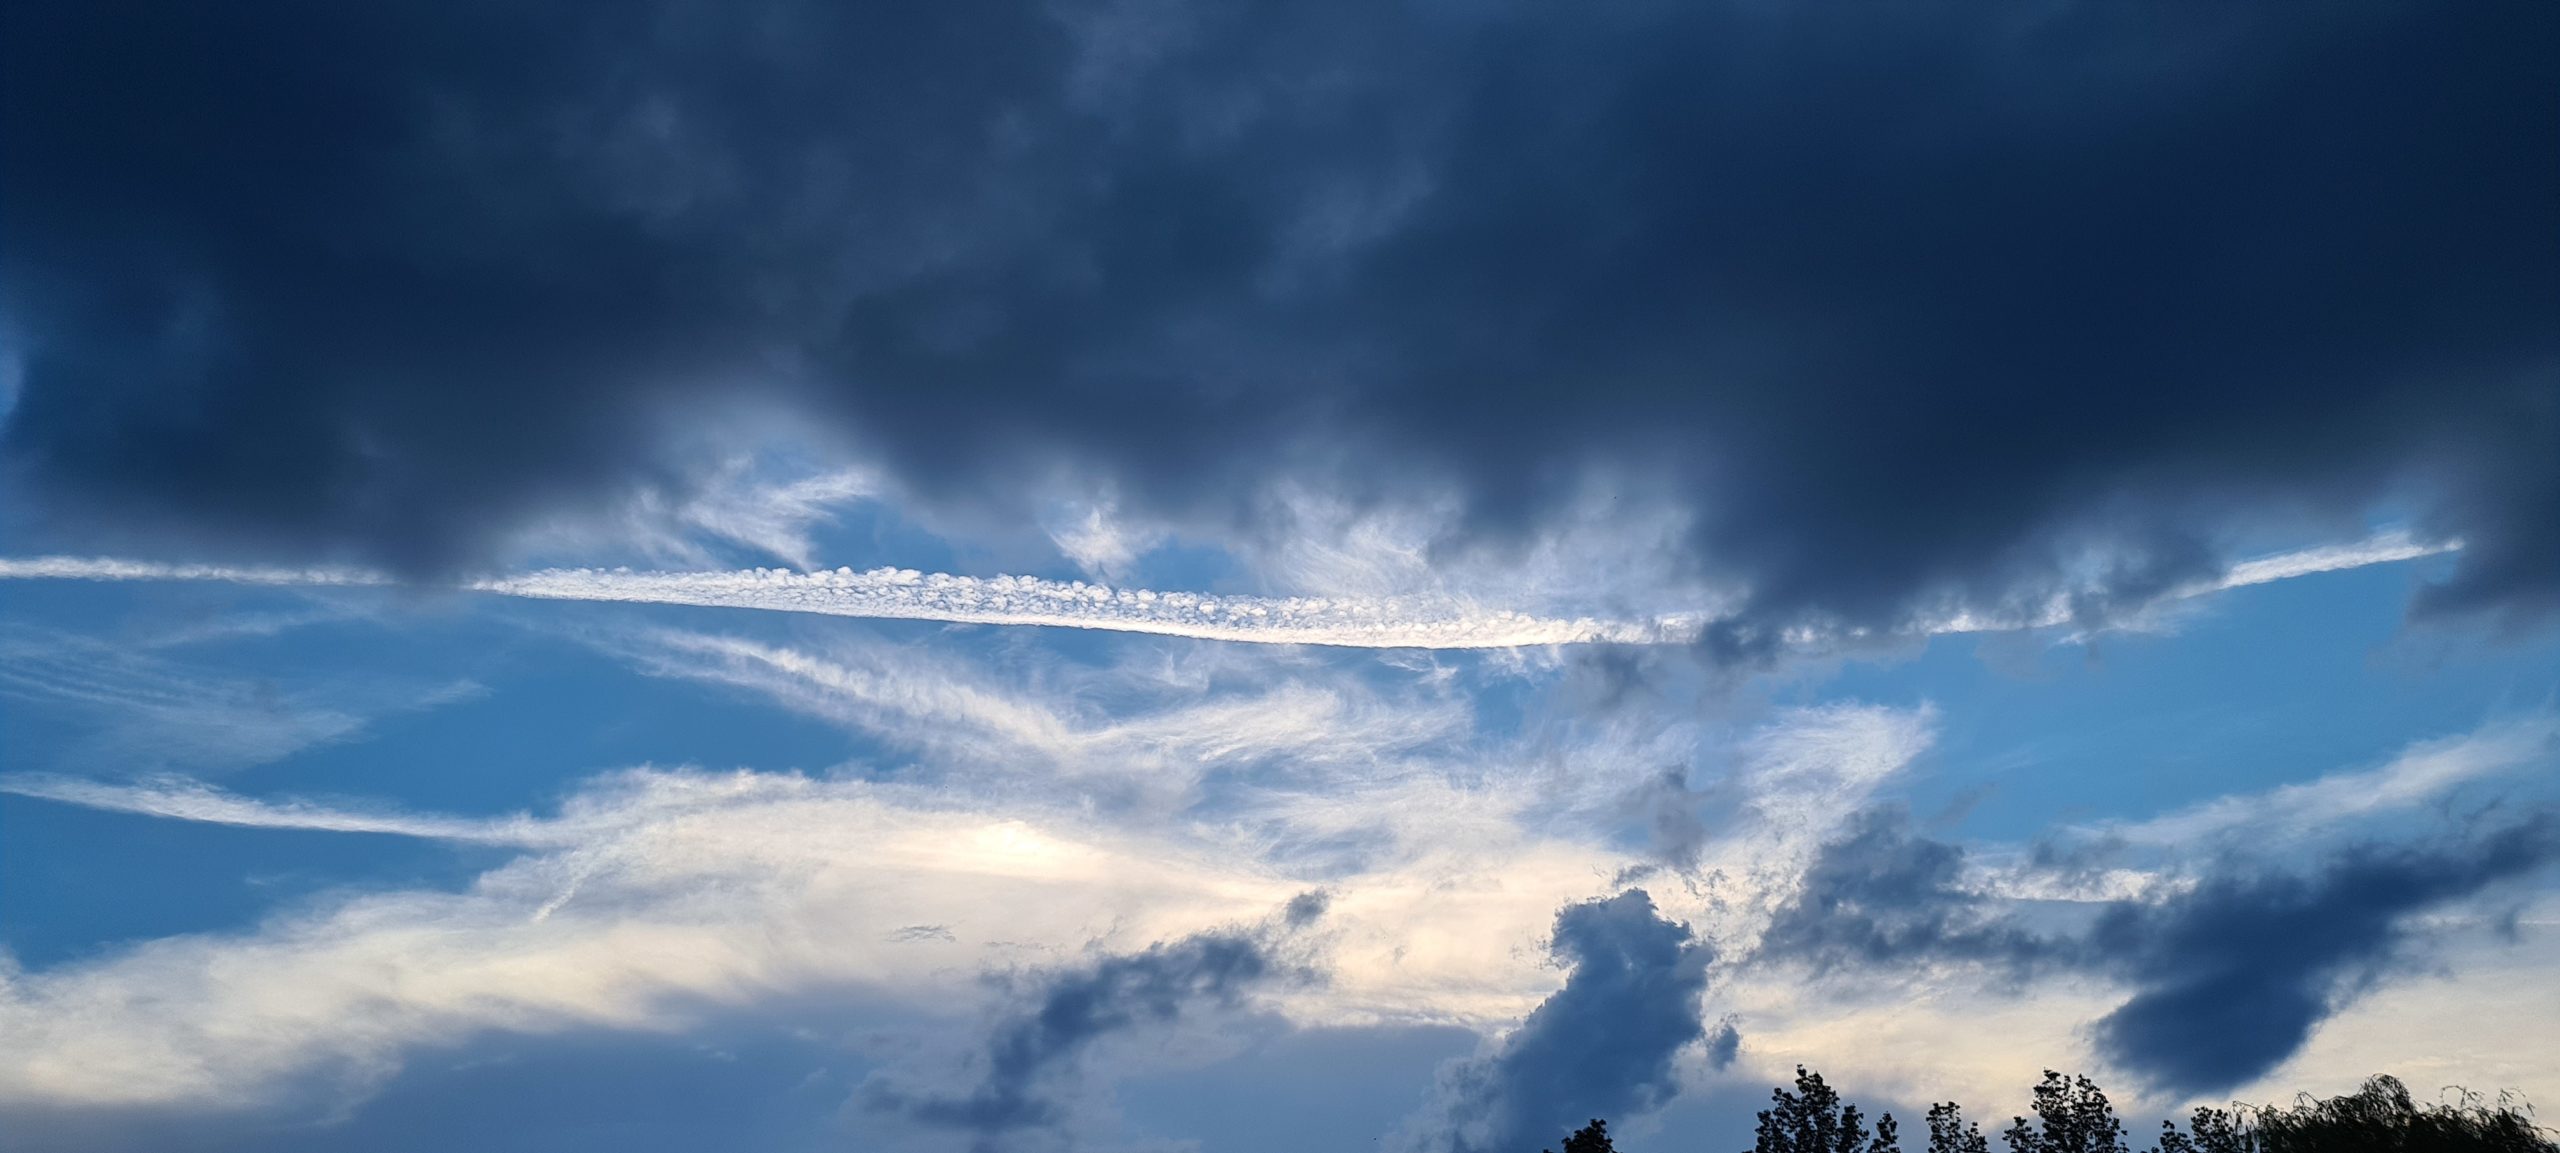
(1152, 576)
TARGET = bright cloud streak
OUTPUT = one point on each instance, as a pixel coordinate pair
(182, 799)
(1388, 622)
(650, 891)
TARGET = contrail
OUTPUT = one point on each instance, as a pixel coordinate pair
(906, 594)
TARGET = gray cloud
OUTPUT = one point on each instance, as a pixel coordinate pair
(1032, 1053)
(1903, 308)
(2234, 975)
(1724, 1044)
(2229, 977)
(1602, 1046)
(1881, 895)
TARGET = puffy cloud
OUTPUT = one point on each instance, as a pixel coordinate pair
(1601, 1046)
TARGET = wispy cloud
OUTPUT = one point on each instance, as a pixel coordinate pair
(139, 712)
(651, 896)
(185, 799)
(2421, 774)
(1157, 729)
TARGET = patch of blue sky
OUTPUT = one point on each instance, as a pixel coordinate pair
(2256, 687)
(78, 883)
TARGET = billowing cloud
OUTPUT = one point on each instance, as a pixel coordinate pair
(1935, 318)
(1601, 1046)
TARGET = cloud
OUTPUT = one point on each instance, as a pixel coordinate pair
(2229, 973)
(139, 713)
(179, 798)
(650, 901)
(1881, 898)
(2233, 976)
(1184, 713)
(653, 898)
(1036, 1046)
(734, 503)
(1928, 319)
(1601, 1046)
(2423, 773)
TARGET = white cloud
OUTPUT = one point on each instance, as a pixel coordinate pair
(1162, 727)
(679, 890)
(653, 896)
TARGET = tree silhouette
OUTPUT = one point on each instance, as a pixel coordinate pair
(1949, 1132)
(1813, 1119)
(2380, 1116)
(2073, 1116)
(1591, 1138)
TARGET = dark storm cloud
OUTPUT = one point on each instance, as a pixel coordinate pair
(2229, 978)
(2234, 975)
(1906, 304)
(1602, 1046)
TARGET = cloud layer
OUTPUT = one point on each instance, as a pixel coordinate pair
(1945, 313)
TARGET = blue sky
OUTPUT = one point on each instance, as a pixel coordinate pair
(1233, 577)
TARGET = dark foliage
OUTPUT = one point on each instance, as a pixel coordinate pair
(1591, 1138)
(1949, 1132)
(1814, 1119)
(2073, 1115)
(2380, 1116)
